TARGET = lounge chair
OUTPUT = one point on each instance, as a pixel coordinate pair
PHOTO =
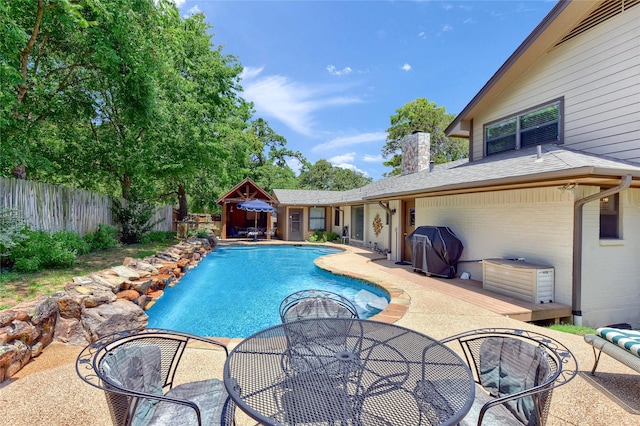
(316, 304)
(515, 373)
(137, 371)
(621, 345)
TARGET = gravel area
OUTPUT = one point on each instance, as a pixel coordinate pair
(48, 391)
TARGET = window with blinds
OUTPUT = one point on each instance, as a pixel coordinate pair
(533, 127)
(316, 219)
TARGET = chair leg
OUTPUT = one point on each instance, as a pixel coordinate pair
(597, 359)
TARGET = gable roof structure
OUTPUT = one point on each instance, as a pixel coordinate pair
(553, 166)
(245, 190)
(567, 19)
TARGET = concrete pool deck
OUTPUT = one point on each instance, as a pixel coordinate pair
(48, 392)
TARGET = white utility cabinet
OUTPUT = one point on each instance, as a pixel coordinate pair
(519, 279)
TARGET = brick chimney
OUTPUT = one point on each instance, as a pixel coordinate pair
(416, 152)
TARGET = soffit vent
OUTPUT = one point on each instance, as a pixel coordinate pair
(606, 10)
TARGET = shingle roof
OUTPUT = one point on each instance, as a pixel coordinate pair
(522, 166)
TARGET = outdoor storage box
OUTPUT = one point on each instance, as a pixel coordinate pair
(522, 280)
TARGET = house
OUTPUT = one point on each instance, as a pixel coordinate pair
(553, 174)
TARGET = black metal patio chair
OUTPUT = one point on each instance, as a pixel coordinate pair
(309, 339)
(307, 304)
(137, 371)
(515, 373)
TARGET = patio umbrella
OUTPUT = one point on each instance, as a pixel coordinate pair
(255, 206)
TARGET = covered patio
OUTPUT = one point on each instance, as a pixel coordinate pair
(238, 222)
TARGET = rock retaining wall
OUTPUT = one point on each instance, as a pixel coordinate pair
(94, 305)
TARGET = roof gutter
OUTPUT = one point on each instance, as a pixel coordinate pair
(576, 305)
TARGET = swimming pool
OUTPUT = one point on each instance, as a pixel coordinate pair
(236, 291)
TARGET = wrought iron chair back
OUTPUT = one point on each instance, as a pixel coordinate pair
(308, 304)
(137, 371)
(518, 369)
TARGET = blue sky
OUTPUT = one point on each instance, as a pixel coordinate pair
(328, 75)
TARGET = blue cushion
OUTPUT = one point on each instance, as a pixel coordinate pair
(136, 368)
(508, 366)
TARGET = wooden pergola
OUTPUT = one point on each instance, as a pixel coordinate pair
(233, 216)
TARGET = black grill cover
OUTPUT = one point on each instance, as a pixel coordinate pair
(435, 250)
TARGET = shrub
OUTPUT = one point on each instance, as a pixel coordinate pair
(158, 236)
(134, 217)
(39, 251)
(104, 238)
(71, 241)
(331, 236)
(13, 230)
(317, 237)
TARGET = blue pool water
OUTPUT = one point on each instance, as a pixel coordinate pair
(236, 291)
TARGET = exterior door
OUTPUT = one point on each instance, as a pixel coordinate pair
(409, 225)
(295, 225)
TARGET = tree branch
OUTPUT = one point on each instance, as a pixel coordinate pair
(24, 55)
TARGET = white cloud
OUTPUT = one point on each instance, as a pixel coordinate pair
(290, 102)
(406, 67)
(334, 71)
(342, 142)
(250, 72)
(179, 2)
(193, 11)
(347, 164)
(447, 28)
(422, 35)
(343, 158)
(295, 165)
(373, 158)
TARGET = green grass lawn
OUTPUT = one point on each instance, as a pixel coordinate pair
(572, 329)
(16, 288)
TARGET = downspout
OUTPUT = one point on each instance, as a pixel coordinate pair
(576, 307)
(390, 213)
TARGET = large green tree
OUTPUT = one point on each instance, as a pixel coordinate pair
(325, 176)
(199, 134)
(43, 52)
(424, 116)
(82, 78)
(268, 157)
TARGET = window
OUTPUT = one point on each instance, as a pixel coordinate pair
(336, 217)
(533, 127)
(316, 219)
(357, 222)
(610, 216)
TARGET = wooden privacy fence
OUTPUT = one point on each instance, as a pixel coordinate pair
(53, 208)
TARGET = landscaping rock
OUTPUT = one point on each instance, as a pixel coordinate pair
(125, 272)
(128, 295)
(140, 285)
(69, 307)
(110, 318)
(93, 306)
(69, 330)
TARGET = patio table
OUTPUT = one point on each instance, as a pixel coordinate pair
(348, 372)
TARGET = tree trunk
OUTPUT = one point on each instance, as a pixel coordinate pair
(183, 209)
(126, 186)
(19, 171)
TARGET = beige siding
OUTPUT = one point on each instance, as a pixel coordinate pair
(534, 223)
(611, 269)
(381, 241)
(598, 74)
